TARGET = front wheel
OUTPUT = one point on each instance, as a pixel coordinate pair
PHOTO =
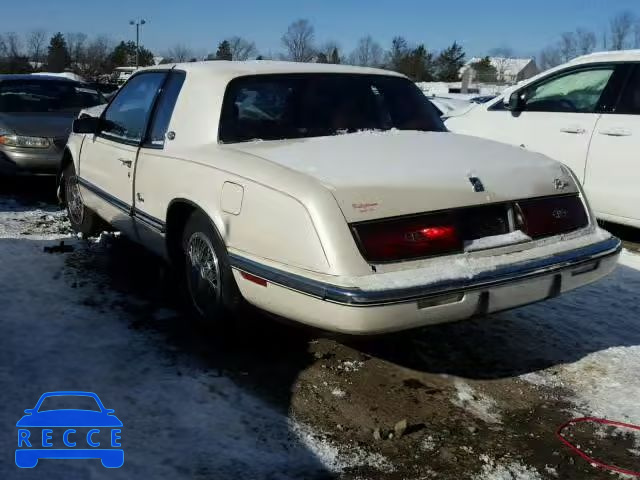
(82, 219)
(211, 290)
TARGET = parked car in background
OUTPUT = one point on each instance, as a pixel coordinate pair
(482, 99)
(327, 194)
(36, 113)
(585, 114)
(446, 106)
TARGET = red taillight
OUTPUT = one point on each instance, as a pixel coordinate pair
(545, 217)
(408, 239)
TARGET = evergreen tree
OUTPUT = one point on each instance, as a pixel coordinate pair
(449, 63)
(397, 59)
(335, 56)
(224, 51)
(58, 57)
(420, 65)
(124, 55)
(485, 71)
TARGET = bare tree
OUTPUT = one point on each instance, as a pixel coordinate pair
(501, 60)
(368, 53)
(36, 45)
(180, 53)
(242, 49)
(621, 27)
(97, 56)
(585, 41)
(549, 57)
(568, 46)
(13, 45)
(76, 46)
(636, 35)
(298, 40)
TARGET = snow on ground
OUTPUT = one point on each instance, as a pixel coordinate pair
(606, 383)
(65, 329)
(476, 403)
(510, 471)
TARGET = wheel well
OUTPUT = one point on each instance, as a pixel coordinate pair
(66, 160)
(177, 216)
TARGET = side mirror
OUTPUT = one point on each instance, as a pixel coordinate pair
(29, 411)
(515, 102)
(109, 411)
(86, 125)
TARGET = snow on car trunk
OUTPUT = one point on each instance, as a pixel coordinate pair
(376, 175)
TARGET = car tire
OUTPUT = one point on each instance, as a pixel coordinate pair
(82, 219)
(209, 286)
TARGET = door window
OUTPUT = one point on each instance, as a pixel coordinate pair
(126, 118)
(164, 110)
(630, 101)
(577, 92)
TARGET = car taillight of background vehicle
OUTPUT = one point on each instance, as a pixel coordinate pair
(545, 217)
(407, 239)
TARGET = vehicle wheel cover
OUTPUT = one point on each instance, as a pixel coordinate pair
(203, 274)
(75, 206)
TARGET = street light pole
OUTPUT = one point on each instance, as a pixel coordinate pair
(137, 23)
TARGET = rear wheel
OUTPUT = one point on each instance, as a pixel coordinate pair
(82, 219)
(211, 290)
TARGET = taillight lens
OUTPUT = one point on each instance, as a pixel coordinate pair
(408, 239)
(545, 217)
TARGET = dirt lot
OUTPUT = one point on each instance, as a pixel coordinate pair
(477, 399)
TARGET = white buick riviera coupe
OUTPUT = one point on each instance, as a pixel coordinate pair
(327, 194)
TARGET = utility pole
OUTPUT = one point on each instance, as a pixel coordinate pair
(137, 23)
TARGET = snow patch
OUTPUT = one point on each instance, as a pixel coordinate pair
(511, 471)
(476, 403)
(496, 241)
(335, 458)
(605, 383)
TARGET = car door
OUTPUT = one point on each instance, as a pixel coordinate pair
(108, 158)
(613, 166)
(557, 117)
(154, 167)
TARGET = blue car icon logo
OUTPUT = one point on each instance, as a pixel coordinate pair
(87, 430)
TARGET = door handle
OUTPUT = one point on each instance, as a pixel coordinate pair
(126, 162)
(573, 130)
(616, 132)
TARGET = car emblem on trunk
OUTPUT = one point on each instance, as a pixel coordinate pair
(560, 184)
(477, 184)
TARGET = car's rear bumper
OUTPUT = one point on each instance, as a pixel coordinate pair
(360, 311)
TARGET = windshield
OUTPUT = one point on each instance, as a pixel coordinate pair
(69, 402)
(40, 96)
(274, 107)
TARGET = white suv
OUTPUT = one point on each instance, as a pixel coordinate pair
(585, 114)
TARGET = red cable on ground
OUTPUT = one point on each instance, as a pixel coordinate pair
(586, 457)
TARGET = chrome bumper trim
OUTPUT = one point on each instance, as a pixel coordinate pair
(353, 296)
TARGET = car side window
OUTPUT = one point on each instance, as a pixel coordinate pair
(164, 110)
(126, 117)
(575, 92)
(629, 103)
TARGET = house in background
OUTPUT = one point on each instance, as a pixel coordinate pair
(508, 70)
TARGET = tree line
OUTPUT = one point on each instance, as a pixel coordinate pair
(93, 57)
(622, 32)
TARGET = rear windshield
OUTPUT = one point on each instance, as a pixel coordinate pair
(275, 107)
(38, 96)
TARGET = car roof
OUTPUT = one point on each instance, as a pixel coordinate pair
(28, 76)
(613, 56)
(259, 67)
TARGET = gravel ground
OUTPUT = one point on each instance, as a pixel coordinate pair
(480, 399)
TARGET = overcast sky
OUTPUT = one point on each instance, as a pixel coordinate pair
(479, 25)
